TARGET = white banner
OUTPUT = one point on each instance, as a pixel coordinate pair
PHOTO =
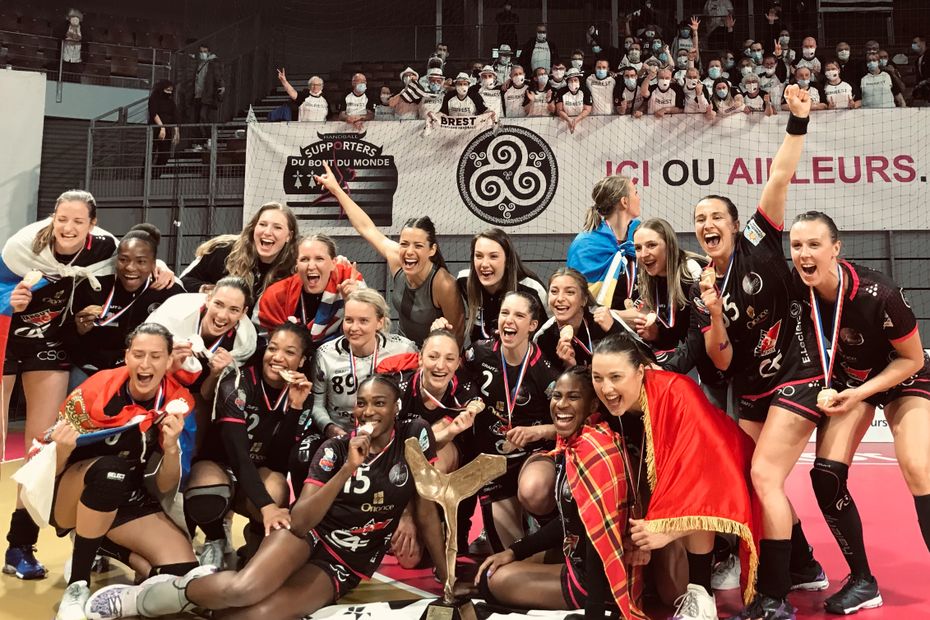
(21, 124)
(867, 168)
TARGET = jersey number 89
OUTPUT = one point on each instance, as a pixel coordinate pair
(344, 384)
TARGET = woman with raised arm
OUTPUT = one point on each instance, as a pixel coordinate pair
(751, 326)
(423, 289)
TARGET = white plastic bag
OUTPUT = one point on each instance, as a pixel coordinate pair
(37, 477)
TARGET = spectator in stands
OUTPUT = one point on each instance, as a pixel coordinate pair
(208, 91)
(514, 91)
(714, 72)
(754, 98)
(773, 76)
(504, 63)
(357, 107)
(383, 109)
(625, 97)
(633, 58)
(405, 109)
(429, 99)
(695, 101)
(164, 113)
(435, 62)
(489, 89)
(802, 77)
(684, 39)
(557, 77)
(726, 100)
(577, 60)
(878, 89)
(838, 92)
(921, 69)
(663, 98)
(507, 22)
(475, 76)
(539, 51)
(310, 103)
(850, 72)
(601, 49)
(809, 59)
(573, 103)
(746, 67)
(756, 54)
(73, 46)
(682, 62)
(892, 69)
(601, 85)
(650, 72)
(442, 53)
(539, 97)
(718, 13)
(463, 99)
(787, 55)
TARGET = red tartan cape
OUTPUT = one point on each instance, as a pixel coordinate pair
(697, 463)
(84, 407)
(595, 472)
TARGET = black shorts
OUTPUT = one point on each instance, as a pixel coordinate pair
(798, 396)
(29, 354)
(573, 586)
(344, 578)
(505, 486)
(917, 385)
(140, 504)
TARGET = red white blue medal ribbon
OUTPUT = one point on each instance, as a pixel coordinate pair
(511, 395)
(418, 379)
(278, 402)
(216, 345)
(726, 278)
(105, 320)
(671, 309)
(352, 366)
(590, 347)
(828, 356)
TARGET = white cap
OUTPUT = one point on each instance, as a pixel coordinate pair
(434, 72)
(573, 72)
(416, 75)
(488, 69)
(504, 48)
(462, 77)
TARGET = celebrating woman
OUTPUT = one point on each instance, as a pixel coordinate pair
(513, 376)
(332, 543)
(264, 252)
(314, 295)
(423, 289)
(110, 491)
(495, 270)
(744, 307)
(366, 348)
(243, 464)
(872, 356)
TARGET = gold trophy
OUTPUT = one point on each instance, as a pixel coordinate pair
(448, 490)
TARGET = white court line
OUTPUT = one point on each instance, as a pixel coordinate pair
(403, 586)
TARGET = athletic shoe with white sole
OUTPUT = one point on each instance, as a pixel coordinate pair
(726, 574)
(768, 608)
(213, 554)
(811, 578)
(163, 597)
(117, 601)
(856, 594)
(73, 601)
(22, 562)
(695, 604)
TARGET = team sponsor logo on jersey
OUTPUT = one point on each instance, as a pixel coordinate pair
(794, 309)
(507, 176)
(399, 474)
(371, 526)
(857, 375)
(40, 318)
(752, 283)
(768, 340)
(701, 306)
(240, 399)
(328, 460)
(851, 337)
(356, 163)
(887, 322)
(424, 440)
(753, 232)
(153, 307)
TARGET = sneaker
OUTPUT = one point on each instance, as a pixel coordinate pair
(480, 546)
(726, 574)
(695, 604)
(117, 601)
(767, 608)
(857, 593)
(811, 578)
(162, 597)
(73, 602)
(213, 554)
(22, 562)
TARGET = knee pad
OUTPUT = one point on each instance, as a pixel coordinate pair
(207, 504)
(828, 479)
(178, 570)
(110, 549)
(107, 484)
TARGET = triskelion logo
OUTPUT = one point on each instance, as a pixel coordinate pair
(367, 174)
(507, 177)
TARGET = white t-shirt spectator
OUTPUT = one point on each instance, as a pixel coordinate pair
(772, 85)
(602, 94)
(573, 102)
(470, 105)
(693, 103)
(756, 102)
(514, 98)
(493, 99)
(542, 57)
(877, 91)
(813, 64)
(312, 108)
(669, 98)
(356, 105)
(428, 101)
(539, 100)
(630, 95)
(812, 90)
(840, 95)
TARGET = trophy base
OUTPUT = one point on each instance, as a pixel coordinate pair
(460, 609)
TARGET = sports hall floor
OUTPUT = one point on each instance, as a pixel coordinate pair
(899, 558)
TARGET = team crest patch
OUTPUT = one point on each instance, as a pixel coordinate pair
(753, 233)
(328, 460)
(240, 399)
(424, 440)
(768, 340)
(399, 474)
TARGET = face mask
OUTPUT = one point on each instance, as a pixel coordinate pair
(843, 55)
(730, 62)
(542, 80)
(915, 47)
(804, 83)
(664, 83)
(784, 41)
(600, 73)
(832, 74)
(577, 62)
(518, 80)
(558, 74)
(361, 88)
(770, 71)
(488, 82)
(752, 87)
(204, 55)
(682, 62)
(883, 62)
(541, 37)
(809, 52)
(74, 21)
(505, 60)
(744, 71)
(574, 85)
(722, 93)
(596, 49)
(757, 56)
(385, 99)
(685, 33)
(714, 72)
(435, 87)
(629, 82)
(691, 83)
(633, 56)
(656, 45)
(663, 57)
(872, 65)
(461, 89)
(649, 34)
(627, 44)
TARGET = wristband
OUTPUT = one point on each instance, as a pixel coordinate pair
(797, 126)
